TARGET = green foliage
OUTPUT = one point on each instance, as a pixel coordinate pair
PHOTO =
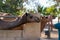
(20, 12)
(49, 11)
(40, 9)
(31, 11)
(10, 6)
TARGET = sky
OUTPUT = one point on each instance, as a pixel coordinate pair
(32, 4)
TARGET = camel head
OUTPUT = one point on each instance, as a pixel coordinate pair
(30, 18)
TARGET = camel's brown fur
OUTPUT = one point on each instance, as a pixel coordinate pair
(15, 25)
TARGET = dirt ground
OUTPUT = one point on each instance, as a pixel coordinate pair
(54, 35)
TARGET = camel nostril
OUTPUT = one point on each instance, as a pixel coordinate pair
(37, 19)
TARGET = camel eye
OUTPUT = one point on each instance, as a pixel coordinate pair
(46, 17)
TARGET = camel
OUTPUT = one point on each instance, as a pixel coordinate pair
(18, 23)
(26, 18)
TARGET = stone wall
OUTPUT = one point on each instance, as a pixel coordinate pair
(32, 30)
(10, 35)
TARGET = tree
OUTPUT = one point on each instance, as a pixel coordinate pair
(49, 11)
(11, 6)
